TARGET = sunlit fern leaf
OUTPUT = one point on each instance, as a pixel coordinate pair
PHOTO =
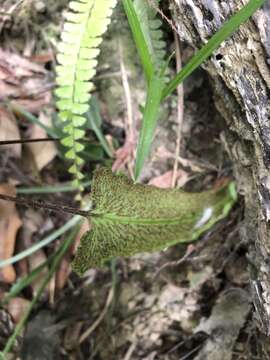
(130, 218)
(151, 28)
(86, 22)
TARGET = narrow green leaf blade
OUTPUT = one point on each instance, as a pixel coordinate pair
(139, 39)
(94, 118)
(150, 118)
(227, 29)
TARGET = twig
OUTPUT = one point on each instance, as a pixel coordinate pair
(189, 251)
(130, 351)
(180, 109)
(185, 357)
(128, 99)
(89, 331)
(164, 17)
(26, 141)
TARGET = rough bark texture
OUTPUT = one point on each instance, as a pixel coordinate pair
(240, 74)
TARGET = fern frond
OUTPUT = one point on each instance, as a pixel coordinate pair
(150, 26)
(85, 23)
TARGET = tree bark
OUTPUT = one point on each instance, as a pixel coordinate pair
(240, 75)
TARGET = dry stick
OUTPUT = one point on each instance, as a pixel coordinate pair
(24, 141)
(89, 331)
(180, 109)
(40, 204)
(180, 92)
(190, 250)
(130, 351)
(164, 17)
(128, 99)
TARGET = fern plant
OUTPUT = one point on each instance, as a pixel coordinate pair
(86, 22)
(151, 29)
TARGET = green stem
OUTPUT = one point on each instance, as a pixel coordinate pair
(48, 189)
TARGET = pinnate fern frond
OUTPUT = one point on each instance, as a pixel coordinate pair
(86, 22)
(151, 28)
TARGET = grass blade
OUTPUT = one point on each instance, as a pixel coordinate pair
(150, 118)
(94, 118)
(73, 221)
(227, 29)
(50, 189)
(139, 39)
(33, 119)
(24, 282)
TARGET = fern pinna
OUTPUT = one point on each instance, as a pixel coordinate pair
(85, 23)
(151, 29)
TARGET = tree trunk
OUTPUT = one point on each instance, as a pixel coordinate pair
(240, 74)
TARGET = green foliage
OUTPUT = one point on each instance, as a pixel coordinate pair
(150, 117)
(85, 23)
(139, 38)
(207, 50)
(151, 29)
(129, 218)
(94, 119)
(142, 29)
(147, 34)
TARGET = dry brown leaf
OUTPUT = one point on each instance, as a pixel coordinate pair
(6, 73)
(24, 80)
(17, 307)
(84, 227)
(8, 90)
(34, 105)
(20, 66)
(9, 225)
(9, 131)
(43, 58)
(123, 155)
(64, 268)
(194, 167)
(163, 153)
(33, 222)
(43, 152)
(63, 272)
(35, 260)
(165, 180)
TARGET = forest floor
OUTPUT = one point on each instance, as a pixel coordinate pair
(189, 302)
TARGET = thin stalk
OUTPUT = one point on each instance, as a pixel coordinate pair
(70, 224)
(26, 141)
(40, 204)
